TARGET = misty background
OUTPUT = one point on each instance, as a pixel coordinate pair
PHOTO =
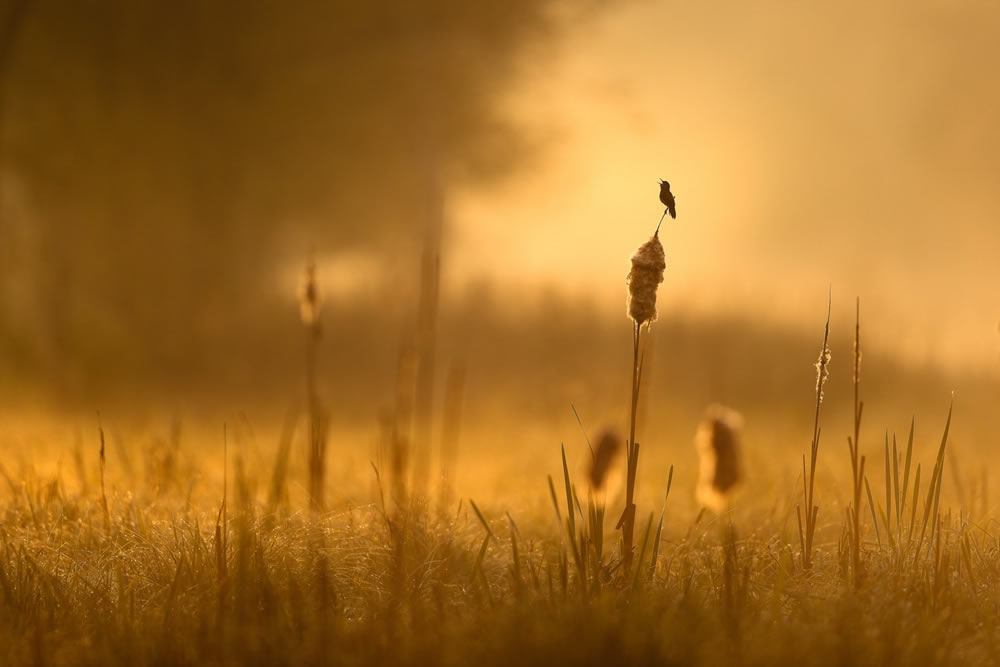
(167, 170)
(162, 166)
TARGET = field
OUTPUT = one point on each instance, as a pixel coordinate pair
(205, 548)
(338, 333)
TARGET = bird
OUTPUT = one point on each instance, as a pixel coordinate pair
(667, 198)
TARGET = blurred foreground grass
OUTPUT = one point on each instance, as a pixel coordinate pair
(173, 577)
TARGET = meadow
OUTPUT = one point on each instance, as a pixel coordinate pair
(468, 438)
(310, 545)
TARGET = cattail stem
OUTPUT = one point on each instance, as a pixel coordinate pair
(309, 307)
(648, 264)
(631, 456)
(104, 497)
(316, 436)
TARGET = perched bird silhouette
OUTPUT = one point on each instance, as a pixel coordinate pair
(667, 198)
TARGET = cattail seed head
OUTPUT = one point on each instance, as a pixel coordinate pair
(648, 264)
(607, 447)
(309, 296)
(720, 466)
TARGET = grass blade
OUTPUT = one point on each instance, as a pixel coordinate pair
(871, 506)
(555, 500)
(940, 464)
(571, 514)
(482, 519)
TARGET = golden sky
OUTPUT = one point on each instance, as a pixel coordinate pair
(850, 147)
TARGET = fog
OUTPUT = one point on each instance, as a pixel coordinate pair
(850, 147)
(167, 170)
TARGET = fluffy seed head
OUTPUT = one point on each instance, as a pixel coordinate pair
(648, 264)
(857, 363)
(607, 446)
(720, 466)
(822, 372)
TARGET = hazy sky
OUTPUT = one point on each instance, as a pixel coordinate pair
(851, 145)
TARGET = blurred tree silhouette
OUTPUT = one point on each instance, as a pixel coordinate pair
(160, 159)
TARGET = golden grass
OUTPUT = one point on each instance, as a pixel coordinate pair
(172, 584)
(152, 575)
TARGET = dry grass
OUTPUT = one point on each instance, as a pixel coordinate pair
(175, 585)
(153, 574)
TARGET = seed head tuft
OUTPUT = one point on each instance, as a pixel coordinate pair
(720, 461)
(822, 372)
(648, 264)
(607, 447)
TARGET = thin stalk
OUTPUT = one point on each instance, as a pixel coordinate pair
(627, 522)
(316, 444)
(809, 484)
(871, 506)
(659, 526)
(906, 479)
(888, 487)
(104, 497)
(857, 461)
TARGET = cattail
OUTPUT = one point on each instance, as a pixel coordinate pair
(720, 466)
(607, 448)
(648, 264)
(309, 296)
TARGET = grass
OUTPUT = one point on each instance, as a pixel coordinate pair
(807, 532)
(858, 460)
(164, 587)
(152, 574)
(152, 577)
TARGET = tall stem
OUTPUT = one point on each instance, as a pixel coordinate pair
(809, 477)
(857, 461)
(632, 457)
(315, 428)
